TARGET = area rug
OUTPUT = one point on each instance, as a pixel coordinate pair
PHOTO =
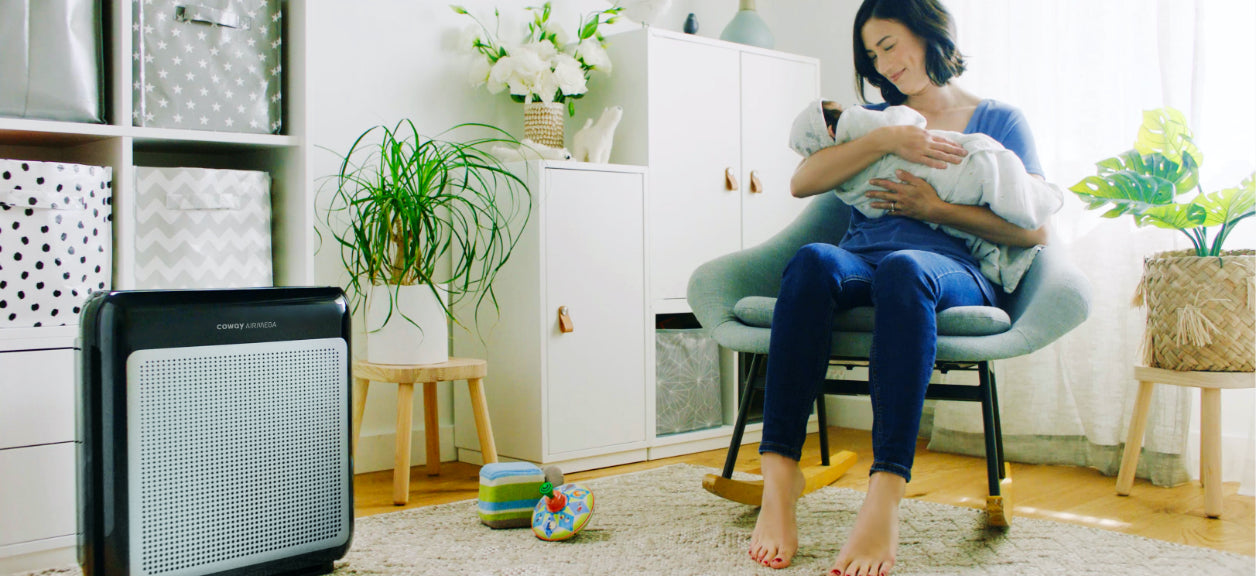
(660, 521)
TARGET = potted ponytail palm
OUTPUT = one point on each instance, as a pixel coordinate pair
(401, 206)
(1200, 301)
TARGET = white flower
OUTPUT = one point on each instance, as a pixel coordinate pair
(478, 71)
(569, 75)
(590, 52)
(525, 73)
(546, 86)
(544, 49)
(500, 74)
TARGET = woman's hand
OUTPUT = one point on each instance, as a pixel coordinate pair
(914, 198)
(910, 196)
(915, 144)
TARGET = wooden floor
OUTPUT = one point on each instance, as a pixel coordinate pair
(1061, 493)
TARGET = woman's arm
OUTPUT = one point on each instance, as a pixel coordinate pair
(913, 197)
(980, 221)
(832, 166)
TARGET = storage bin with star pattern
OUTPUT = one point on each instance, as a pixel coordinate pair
(208, 65)
(55, 240)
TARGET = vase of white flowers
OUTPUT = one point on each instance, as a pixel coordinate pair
(542, 70)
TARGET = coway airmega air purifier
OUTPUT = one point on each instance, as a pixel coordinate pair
(215, 430)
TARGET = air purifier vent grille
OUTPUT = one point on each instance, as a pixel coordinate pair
(242, 454)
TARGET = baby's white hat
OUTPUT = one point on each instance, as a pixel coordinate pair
(810, 134)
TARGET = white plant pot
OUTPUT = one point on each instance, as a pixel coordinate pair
(399, 341)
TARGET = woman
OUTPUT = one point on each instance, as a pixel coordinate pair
(896, 263)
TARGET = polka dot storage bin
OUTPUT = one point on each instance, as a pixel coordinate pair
(55, 240)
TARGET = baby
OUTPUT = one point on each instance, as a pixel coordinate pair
(990, 175)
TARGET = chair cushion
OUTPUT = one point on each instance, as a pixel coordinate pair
(958, 321)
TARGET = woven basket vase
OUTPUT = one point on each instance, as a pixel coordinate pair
(543, 123)
(1201, 311)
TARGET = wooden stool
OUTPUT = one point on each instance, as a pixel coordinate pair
(1210, 385)
(405, 376)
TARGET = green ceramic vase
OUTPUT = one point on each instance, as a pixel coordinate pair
(748, 27)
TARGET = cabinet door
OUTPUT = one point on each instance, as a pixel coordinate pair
(694, 137)
(595, 266)
(37, 493)
(773, 91)
(36, 397)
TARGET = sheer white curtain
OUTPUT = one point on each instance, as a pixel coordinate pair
(1082, 71)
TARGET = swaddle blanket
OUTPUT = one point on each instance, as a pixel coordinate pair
(990, 175)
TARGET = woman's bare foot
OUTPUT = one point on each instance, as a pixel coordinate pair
(775, 538)
(873, 542)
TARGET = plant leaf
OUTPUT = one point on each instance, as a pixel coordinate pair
(1164, 130)
(589, 27)
(402, 206)
(1175, 216)
(1229, 205)
(1184, 176)
(1128, 191)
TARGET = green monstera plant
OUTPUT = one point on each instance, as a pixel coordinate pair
(1151, 183)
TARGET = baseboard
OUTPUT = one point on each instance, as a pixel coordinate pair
(377, 452)
(39, 555)
(567, 466)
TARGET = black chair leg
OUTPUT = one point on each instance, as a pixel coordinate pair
(743, 413)
(824, 430)
(990, 426)
(998, 424)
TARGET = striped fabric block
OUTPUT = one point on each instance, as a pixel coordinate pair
(202, 228)
(508, 494)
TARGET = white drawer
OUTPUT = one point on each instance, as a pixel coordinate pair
(37, 493)
(36, 397)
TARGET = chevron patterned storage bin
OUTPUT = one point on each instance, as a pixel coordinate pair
(55, 240)
(202, 228)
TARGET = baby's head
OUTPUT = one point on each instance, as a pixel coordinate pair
(832, 112)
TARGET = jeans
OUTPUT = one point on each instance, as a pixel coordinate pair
(906, 288)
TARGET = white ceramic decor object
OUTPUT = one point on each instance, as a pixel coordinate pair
(392, 339)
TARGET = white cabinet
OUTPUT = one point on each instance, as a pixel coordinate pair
(36, 397)
(37, 403)
(37, 448)
(575, 398)
(37, 504)
(711, 119)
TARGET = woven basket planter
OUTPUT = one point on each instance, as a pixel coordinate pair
(543, 123)
(1201, 311)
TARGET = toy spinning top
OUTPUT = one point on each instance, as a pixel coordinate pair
(561, 512)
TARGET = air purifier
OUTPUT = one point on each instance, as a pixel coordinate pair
(215, 432)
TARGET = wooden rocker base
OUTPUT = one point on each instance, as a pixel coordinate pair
(751, 491)
(999, 508)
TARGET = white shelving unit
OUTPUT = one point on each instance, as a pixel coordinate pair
(42, 492)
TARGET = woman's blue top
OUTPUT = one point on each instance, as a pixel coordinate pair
(874, 238)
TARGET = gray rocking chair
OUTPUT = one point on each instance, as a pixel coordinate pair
(733, 297)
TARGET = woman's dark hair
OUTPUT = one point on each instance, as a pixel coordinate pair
(930, 22)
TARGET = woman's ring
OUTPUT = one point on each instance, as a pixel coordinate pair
(893, 206)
